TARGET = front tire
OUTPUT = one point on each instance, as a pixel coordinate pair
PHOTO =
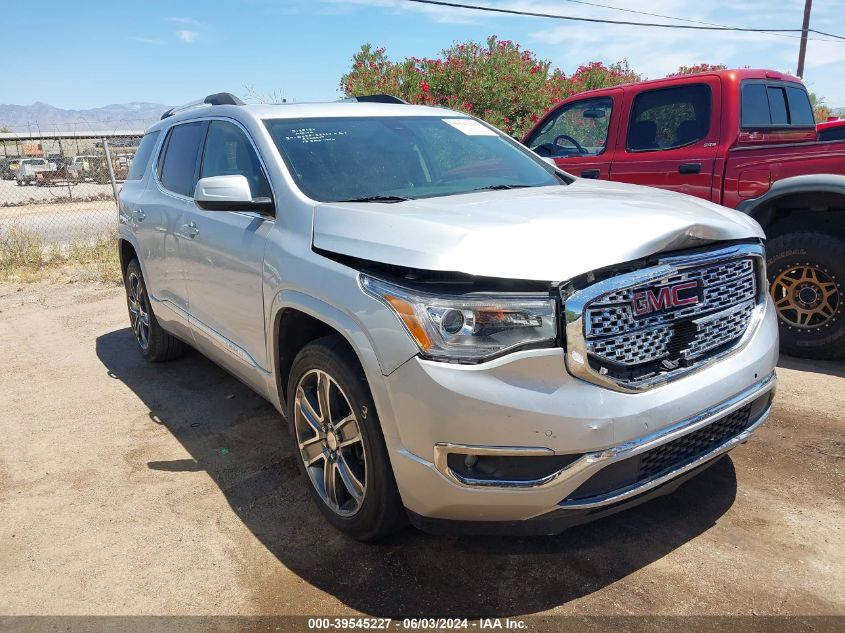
(155, 344)
(338, 437)
(806, 272)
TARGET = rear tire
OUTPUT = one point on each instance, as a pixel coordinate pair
(336, 429)
(155, 344)
(806, 272)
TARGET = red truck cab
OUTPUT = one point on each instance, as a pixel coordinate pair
(745, 139)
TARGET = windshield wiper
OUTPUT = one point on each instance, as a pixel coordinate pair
(501, 187)
(377, 199)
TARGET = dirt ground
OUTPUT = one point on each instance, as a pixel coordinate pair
(128, 488)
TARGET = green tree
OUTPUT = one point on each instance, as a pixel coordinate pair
(820, 109)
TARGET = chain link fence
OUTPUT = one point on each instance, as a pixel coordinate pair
(58, 200)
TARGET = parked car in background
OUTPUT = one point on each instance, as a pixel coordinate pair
(85, 162)
(9, 167)
(831, 130)
(742, 138)
(29, 168)
(457, 332)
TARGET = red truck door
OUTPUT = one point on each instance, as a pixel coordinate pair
(672, 136)
(576, 135)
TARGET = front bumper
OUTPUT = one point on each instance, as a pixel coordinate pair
(527, 404)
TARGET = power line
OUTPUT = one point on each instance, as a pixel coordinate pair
(696, 27)
(672, 17)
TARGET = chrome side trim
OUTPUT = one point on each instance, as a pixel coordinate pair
(590, 463)
(218, 339)
(577, 356)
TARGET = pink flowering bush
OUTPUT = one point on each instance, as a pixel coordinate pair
(501, 83)
(696, 68)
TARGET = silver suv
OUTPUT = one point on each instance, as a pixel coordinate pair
(456, 332)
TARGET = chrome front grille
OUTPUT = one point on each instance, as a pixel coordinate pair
(608, 342)
(605, 318)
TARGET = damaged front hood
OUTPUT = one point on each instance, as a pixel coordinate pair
(543, 233)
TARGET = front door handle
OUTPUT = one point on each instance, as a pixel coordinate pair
(689, 168)
(190, 229)
(590, 173)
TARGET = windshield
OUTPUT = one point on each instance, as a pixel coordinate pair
(395, 158)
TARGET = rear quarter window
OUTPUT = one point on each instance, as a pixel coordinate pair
(142, 156)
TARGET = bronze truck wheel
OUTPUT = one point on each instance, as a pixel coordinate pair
(806, 271)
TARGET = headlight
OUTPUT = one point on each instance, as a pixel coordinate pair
(470, 328)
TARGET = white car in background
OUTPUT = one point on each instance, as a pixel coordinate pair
(29, 169)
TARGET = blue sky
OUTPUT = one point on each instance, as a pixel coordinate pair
(88, 54)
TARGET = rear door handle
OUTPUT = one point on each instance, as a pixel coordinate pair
(689, 168)
(138, 215)
(190, 229)
(590, 173)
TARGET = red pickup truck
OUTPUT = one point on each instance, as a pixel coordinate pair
(742, 138)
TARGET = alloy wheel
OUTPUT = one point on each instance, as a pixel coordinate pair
(805, 296)
(330, 442)
(139, 310)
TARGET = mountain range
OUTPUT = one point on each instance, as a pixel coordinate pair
(118, 117)
(43, 117)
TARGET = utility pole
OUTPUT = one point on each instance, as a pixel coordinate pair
(802, 51)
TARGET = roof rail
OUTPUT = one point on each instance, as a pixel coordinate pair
(378, 99)
(223, 98)
(218, 98)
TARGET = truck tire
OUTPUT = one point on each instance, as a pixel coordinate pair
(806, 272)
(339, 443)
(155, 344)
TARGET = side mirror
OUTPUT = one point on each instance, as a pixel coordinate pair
(229, 193)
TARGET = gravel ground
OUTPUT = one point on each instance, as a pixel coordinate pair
(37, 210)
(12, 193)
(127, 488)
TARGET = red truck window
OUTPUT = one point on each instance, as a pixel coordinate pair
(668, 118)
(577, 129)
(777, 105)
(770, 104)
(833, 134)
(800, 110)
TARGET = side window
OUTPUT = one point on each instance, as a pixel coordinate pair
(142, 156)
(229, 152)
(833, 134)
(179, 162)
(667, 118)
(577, 129)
